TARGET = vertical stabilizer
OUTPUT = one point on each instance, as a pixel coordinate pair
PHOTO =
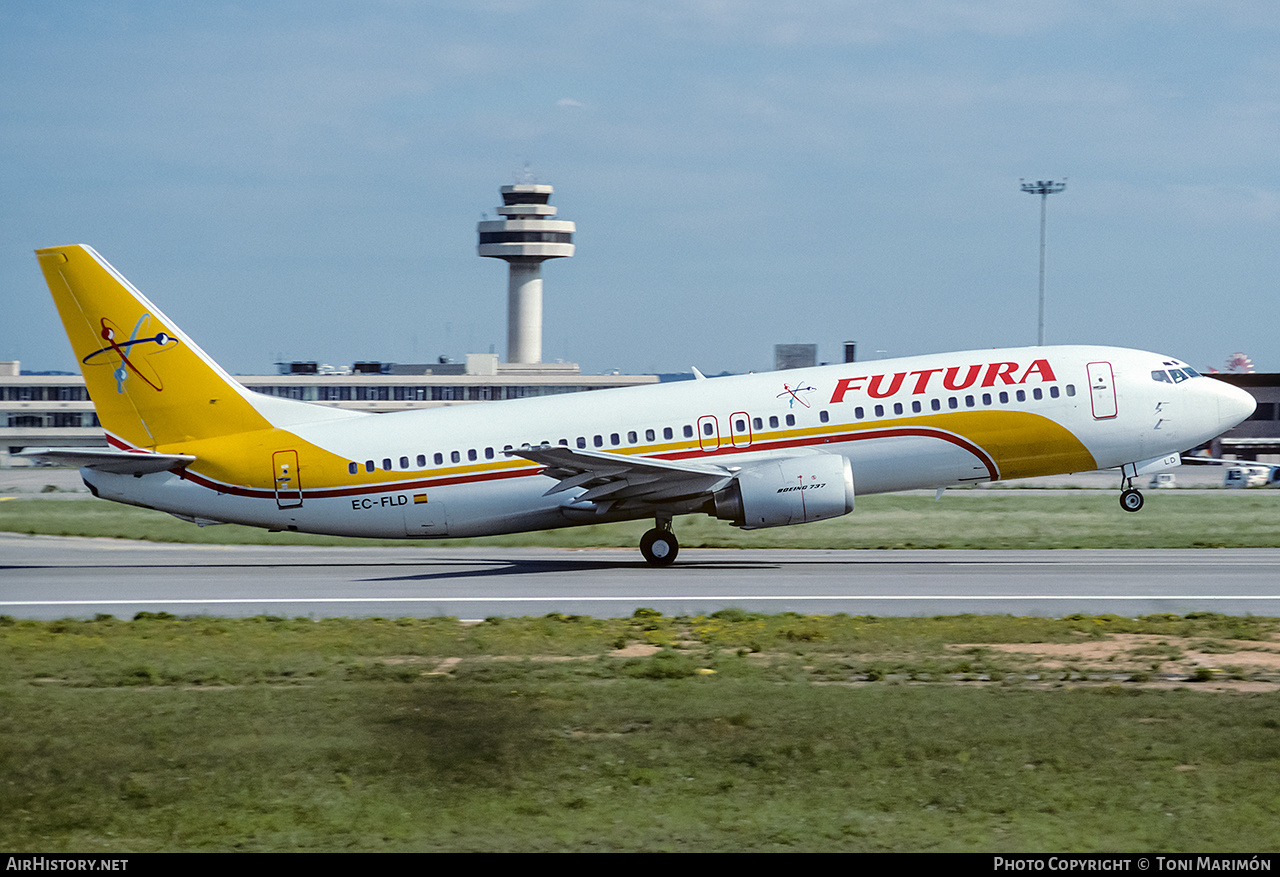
(151, 385)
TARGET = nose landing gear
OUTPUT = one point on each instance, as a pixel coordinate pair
(1131, 499)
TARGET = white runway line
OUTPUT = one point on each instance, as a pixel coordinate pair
(637, 599)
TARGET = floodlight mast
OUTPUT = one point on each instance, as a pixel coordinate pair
(1043, 188)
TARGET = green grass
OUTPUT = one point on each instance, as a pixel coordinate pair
(165, 733)
(692, 764)
(962, 519)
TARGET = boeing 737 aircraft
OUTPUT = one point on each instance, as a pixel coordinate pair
(759, 450)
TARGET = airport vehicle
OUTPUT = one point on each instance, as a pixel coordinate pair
(1247, 476)
(758, 450)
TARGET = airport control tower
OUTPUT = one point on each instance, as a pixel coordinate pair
(525, 237)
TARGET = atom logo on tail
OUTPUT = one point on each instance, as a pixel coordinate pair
(127, 359)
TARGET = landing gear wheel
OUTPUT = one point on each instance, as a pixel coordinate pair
(1131, 500)
(659, 547)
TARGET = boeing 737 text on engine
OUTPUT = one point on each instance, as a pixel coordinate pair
(759, 450)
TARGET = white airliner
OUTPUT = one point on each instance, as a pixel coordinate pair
(759, 450)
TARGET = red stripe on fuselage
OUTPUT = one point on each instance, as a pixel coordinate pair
(481, 477)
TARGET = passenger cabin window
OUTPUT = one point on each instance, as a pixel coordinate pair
(858, 412)
(824, 416)
(471, 455)
(439, 458)
(791, 420)
(649, 435)
(1037, 393)
(935, 404)
(404, 462)
(455, 456)
(688, 431)
(897, 407)
(368, 466)
(598, 441)
(581, 441)
(422, 461)
(915, 406)
(773, 422)
(353, 468)
(667, 432)
(632, 438)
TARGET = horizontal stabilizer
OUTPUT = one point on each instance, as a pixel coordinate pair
(109, 460)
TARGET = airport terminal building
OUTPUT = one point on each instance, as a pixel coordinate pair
(46, 411)
(1258, 438)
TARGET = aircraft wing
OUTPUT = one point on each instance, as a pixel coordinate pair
(109, 459)
(1219, 461)
(618, 479)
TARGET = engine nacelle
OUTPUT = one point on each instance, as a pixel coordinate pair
(793, 490)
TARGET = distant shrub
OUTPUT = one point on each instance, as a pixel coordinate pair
(666, 664)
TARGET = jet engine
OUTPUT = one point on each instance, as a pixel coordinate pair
(793, 490)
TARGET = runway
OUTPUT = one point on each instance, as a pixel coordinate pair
(48, 577)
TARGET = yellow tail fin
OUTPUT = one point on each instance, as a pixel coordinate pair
(151, 385)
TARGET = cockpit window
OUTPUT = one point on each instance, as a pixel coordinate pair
(1191, 373)
(1178, 376)
(1160, 376)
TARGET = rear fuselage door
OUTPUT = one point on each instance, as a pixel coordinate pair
(1102, 390)
(288, 484)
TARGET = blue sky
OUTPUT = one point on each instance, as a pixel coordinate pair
(303, 179)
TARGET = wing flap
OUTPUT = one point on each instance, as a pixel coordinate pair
(613, 479)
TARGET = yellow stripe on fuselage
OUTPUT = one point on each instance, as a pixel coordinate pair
(1022, 444)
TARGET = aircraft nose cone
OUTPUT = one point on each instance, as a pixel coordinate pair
(1234, 404)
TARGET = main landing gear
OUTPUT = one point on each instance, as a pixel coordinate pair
(659, 545)
(1130, 498)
